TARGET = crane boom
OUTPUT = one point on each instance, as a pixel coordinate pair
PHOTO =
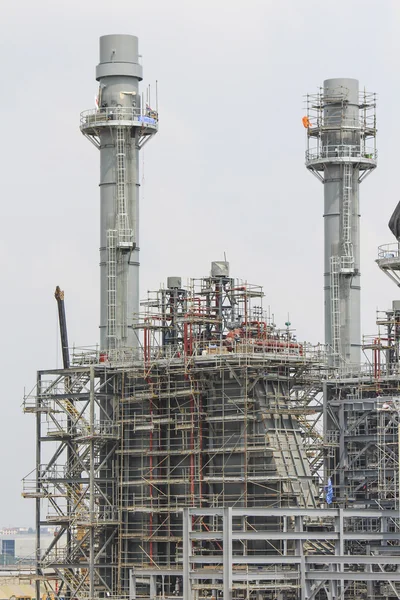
(59, 296)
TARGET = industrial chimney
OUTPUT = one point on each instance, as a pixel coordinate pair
(341, 152)
(120, 124)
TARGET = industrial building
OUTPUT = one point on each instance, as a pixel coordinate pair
(202, 451)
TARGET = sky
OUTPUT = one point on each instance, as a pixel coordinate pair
(225, 173)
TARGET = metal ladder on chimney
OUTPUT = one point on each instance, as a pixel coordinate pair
(335, 309)
(343, 265)
(125, 233)
(112, 287)
(120, 238)
(347, 266)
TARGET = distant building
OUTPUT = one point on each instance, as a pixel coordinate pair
(8, 547)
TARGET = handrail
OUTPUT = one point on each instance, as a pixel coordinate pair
(144, 116)
(340, 122)
(389, 250)
(342, 151)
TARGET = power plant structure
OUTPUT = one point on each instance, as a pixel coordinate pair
(341, 152)
(201, 451)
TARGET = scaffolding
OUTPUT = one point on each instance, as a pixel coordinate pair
(341, 151)
(217, 407)
(329, 131)
(74, 489)
(217, 455)
(362, 432)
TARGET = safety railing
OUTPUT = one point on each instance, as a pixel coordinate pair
(29, 486)
(340, 122)
(119, 357)
(355, 372)
(63, 426)
(81, 514)
(332, 437)
(342, 151)
(59, 555)
(144, 117)
(387, 251)
(87, 355)
(81, 356)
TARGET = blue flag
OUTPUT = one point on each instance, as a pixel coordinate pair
(329, 492)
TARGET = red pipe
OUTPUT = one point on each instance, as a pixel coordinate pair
(146, 344)
(187, 338)
(198, 301)
(377, 358)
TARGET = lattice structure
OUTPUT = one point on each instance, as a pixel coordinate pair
(313, 554)
(75, 482)
(362, 410)
(221, 409)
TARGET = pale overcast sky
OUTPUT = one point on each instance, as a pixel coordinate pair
(225, 173)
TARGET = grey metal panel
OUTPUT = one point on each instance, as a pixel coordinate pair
(220, 269)
(394, 222)
(159, 571)
(354, 559)
(119, 55)
(227, 558)
(115, 69)
(352, 576)
(321, 513)
(260, 575)
(244, 560)
(119, 47)
(266, 535)
(174, 282)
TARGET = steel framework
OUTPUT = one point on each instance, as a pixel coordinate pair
(216, 408)
(334, 553)
(190, 456)
(361, 422)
